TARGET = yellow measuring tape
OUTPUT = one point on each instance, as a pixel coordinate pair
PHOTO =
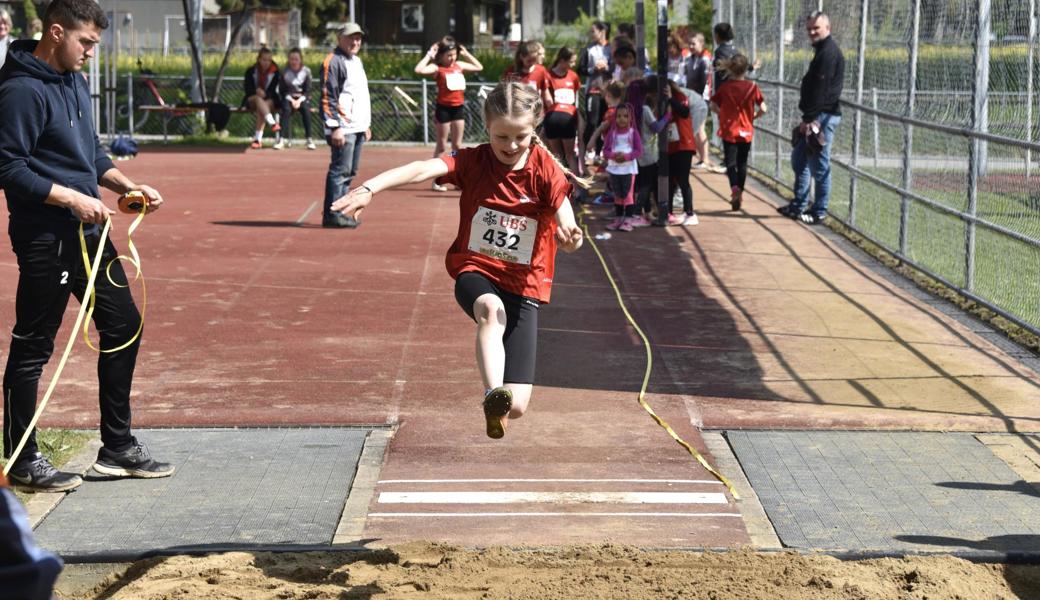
(86, 308)
(649, 365)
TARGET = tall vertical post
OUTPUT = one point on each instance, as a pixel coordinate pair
(857, 123)
(732, 12)
(425, 113)
(908, 133)
(877, 126)
(130, 102)
(754, 53)
(1030, 68)
(977, 148)
(640, 35)
(779, 89)
(664, 199)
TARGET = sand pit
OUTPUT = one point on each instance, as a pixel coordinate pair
(435, 571)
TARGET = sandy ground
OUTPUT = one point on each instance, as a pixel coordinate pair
(443, 572)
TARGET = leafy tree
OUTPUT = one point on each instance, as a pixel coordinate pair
(29, 8)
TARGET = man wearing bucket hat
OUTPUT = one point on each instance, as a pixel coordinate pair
(347, 113)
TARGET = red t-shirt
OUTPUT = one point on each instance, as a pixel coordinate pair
(737, 101)
(680, 130)
(507, 219)
(451, 85)
(564, 91)
(537, 78)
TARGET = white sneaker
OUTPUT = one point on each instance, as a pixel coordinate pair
(310, 145)
(279, 145)
(690, 220)
(439, 188)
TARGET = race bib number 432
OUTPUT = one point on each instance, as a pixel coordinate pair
(500, 235)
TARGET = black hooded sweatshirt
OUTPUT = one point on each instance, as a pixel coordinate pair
(46, 137)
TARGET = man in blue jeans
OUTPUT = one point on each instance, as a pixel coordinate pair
(346, 111)
(821, 114)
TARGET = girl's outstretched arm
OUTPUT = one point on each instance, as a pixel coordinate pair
(568, 234)
(414, 172)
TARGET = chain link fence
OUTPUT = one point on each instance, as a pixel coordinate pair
(402, 111)
(936, 156)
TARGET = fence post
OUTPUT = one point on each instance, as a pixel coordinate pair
(908, 133)
(977, 148)
(780, 88)
(857, 124)
(425, 114)
(1030, 62)
(754, 52)
(130, 101)
(877, 124)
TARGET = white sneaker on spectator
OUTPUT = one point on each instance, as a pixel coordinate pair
(439, 188)
(310, 145)
(690, 219)
(279, 145)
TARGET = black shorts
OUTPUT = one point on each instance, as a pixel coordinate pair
(447, 114)
(560, 126)
(521, 336)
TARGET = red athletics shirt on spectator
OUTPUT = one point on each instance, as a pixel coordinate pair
(564, 91)
(737, 100)
(451, 85)
(537, 78)
(680, 130)
(507, 221)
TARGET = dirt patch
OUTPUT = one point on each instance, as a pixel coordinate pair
(442, 572)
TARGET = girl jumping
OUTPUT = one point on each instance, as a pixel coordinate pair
(514, 210)
(442, 61)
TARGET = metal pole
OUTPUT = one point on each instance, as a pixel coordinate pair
(640, 36)
(977, 148)
(130, 101)
(664, 199)
(1030, 62)
(425, 114)
(877, 125)
(732, 15)
(780, 90)
(857, 124)
(754, 53)
(908, 133)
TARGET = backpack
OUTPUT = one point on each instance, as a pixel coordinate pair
(124, 146)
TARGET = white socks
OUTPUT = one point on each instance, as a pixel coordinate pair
(270, 119)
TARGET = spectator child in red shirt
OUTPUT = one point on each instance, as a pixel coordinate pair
(681, 147)
(514, 210)
(561, 123)
(527, 69)
(738, 102)
(442, 61)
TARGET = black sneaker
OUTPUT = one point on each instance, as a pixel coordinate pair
(790, 212)
(811, 219)
(37, 474)
(497, 404)
(340, 220)
(135, 461)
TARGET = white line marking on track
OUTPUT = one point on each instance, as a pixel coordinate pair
(306, 212)
(552, 498)
(709, 481)
(552, 514)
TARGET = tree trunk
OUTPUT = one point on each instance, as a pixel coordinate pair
(196, 56)
(235, 31)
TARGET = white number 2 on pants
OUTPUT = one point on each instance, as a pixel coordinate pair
(500, 235)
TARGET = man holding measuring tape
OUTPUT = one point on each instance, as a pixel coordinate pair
(51, 164)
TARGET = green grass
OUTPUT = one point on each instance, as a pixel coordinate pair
(59, 445)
